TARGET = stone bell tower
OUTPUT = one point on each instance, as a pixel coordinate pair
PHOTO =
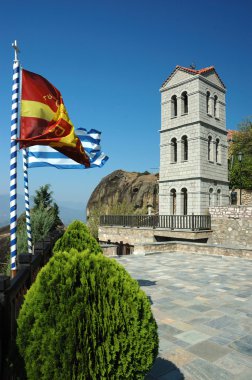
(193, 143)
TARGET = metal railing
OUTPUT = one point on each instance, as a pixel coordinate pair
(173, 222)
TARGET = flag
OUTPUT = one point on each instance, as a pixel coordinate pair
(44, 119)
(39, 155)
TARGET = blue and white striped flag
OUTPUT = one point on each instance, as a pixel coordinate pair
(39, 155)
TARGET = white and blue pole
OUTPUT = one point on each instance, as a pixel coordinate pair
(27, 201)
(13, 161)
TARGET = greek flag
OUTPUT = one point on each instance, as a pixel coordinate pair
(41, 155)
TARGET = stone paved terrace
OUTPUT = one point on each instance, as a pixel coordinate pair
(203, 307)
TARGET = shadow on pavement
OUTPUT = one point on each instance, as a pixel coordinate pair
(146, 282)
(164, 369)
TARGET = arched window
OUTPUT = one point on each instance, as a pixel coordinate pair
(210, 197)
(184, 200)
(184, 100)
(216, 111)
(173, 201)
(219, 197)
(208, 102)
(174, 106)
(209, 149)
(217, 150)
(174, 150)
(184, 150)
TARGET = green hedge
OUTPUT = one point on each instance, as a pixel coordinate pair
(86, 318)
(77, 236)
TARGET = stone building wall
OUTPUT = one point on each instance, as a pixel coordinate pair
(231, 226)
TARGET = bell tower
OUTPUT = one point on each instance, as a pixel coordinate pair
(193, 144)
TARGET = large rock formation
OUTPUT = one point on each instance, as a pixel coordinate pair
(138, 190)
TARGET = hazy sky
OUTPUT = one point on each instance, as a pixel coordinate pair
(109, 58)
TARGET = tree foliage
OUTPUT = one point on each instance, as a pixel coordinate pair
(240, 174)
(94, 219)
(44, 218)
(43, 197)
(86, 318)
(42, 222)
(77, 236)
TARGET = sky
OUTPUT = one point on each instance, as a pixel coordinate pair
(108, 58)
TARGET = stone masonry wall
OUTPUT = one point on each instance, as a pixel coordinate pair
(126, 234)
(246, 197)
(206, 249)
(232, 226)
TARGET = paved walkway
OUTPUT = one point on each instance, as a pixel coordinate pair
(203, 307)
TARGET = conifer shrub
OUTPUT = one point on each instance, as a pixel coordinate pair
(86, 318)
(77, 236)
(42, 222)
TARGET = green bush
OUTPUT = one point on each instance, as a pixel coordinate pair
(86, 318)
(42, 222)
(77, 236)
(78, 225)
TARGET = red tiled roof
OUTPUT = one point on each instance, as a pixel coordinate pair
(231, 133)
(193, 71)
(201, 71)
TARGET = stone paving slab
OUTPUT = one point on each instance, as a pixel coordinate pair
(203, 308)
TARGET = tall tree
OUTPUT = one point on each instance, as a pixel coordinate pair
(240, 172)
(44, 218)
(43, 197)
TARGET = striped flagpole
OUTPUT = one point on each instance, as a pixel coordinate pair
(27, 201)
(13, 162)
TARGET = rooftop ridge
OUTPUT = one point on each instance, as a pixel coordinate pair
(204, 70)
(193, 71)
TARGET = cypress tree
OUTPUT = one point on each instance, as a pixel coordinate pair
(77, 236)
(85, 318)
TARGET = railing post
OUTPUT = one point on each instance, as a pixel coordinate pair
(24, 260)
(4, 283)
(121, 248)
(193, 222)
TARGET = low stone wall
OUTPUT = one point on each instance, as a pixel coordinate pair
(127, 235)
(109, 249)
(171, 247)
(135, 235)
(197, 248)
(231, 226)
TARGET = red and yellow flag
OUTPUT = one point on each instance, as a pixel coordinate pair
(44, 119)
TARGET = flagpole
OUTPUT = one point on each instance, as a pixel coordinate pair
(13, 161)
(27, 201)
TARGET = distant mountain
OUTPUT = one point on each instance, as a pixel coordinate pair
(5, 208)
(69, 211)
